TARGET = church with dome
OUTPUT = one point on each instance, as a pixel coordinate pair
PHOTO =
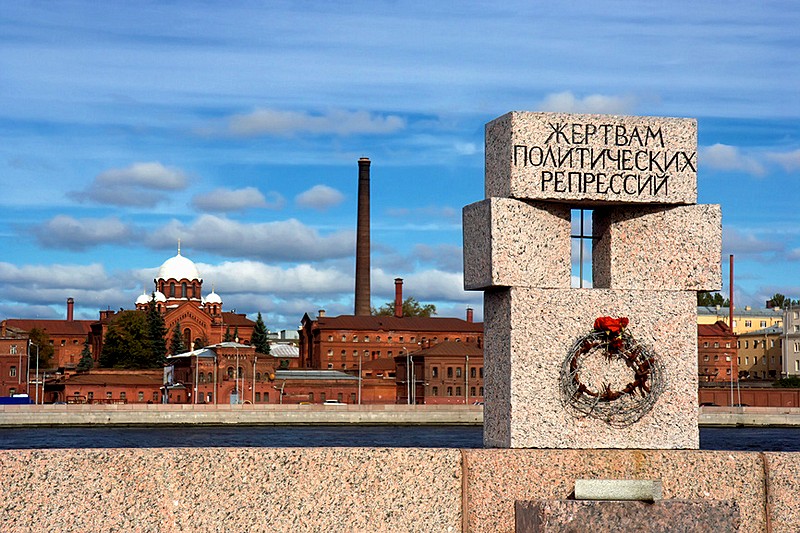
(178, 294)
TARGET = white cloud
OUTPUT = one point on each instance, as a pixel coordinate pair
(140, 184)
(288, 240)
(336, 122)
(448, 257)
(70, 233)
(726, 157)
(425, 285)
(256, 277)
(790, 161)
(319, 197)
(226, 200)
(747, 243)
(566, 102)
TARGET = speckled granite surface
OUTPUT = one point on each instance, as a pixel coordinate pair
(658, 248)
(566, 516)
(528, 334)
(510, 242)
(498, 478)
(592, 158)
(784, 491)
(224, 489)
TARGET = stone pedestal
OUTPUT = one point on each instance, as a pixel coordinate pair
(553, 380)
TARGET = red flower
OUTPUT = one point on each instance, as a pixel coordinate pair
(612, 325)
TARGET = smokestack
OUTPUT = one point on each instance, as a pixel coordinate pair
(321, 313)
(469, 314)
(398, 297)
(730, 298)
(70, 309)
(363, 305)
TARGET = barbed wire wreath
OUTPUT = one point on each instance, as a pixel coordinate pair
(617, 406)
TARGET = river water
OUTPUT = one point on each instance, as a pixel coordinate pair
(745, 439)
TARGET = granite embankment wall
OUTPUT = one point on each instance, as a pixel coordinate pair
(156, 414)
(361, 489)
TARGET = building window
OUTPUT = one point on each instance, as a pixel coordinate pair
(435, 372)
(705, 358)
(705, 344)
(755, 344)
(355, 338)
(123, 396)
(172, 289)
(772, 343)
(353, 397)
(473, 372)
(155, 396)
(140, 396)
(210, 377)
(747, 360)
(728, 371)
(240, 372)
(458, 391)
(727, 345)
(344, 338)
(378, 338)
(183, 290)
(63, 342)
(330, 353)
(266, 397)
(366, 338)
(230, 371)
(472, 391)
(450, 372)
(716, 345)
(90, 395)
(258, 376)
(12, 371)
(108, 395)
(330, 366)
(339, 397)
(480, 374)
(202, 378)
(330, 338)
(258, 397)
(310, 396)
(435, 391)
(763, 323)
(746, 344)
(738, 344)
(748, 323)
(480, 391)
(449, 391)
(458, 372)
(322, 397)
(716, 358)
(13, 349)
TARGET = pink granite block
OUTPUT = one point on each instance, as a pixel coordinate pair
(592, 158)
(527, 340)
(510, 242)
(227, 489)
(783, 491)
(495, 479)
(658, 248)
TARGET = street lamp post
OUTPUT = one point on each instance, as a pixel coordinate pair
(37, 374)
(466, 380)
(359, 377)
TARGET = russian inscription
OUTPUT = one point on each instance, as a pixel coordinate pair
(607, 159)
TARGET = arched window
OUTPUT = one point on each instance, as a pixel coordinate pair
(183, 290)
(202, 378)
(230, 371)
(241, 372)
(171, 288)
(211, 377)
(258, 376)
(187, 338)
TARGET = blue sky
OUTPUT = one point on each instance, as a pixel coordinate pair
(237, 126)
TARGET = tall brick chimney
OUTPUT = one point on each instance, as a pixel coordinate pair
(363, 305)
(70, 309)
(469, 314)
(398, 297)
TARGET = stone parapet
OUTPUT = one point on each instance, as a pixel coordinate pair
(527, 340)
(658, 248)
(592, 159)
(509, 242)
(363, 489)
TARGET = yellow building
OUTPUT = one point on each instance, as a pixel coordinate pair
(745, 319)
(760, 353)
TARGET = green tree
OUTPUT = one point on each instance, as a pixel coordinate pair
(157, 332)
(176, 344)
(260, 339)
(45, 350)
(227, 337)
(711, 299)
(236, 333)
(127, 342)
(411, 307)
(780, 300)
(86, 362)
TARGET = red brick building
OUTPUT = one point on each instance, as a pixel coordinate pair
(13, 361)
(108, 386)
(716, 353)
(341, 342)
(178, 294)
(66, 336)
(446, 373)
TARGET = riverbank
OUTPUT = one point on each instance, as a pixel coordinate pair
(221, 415)
(299, 415)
